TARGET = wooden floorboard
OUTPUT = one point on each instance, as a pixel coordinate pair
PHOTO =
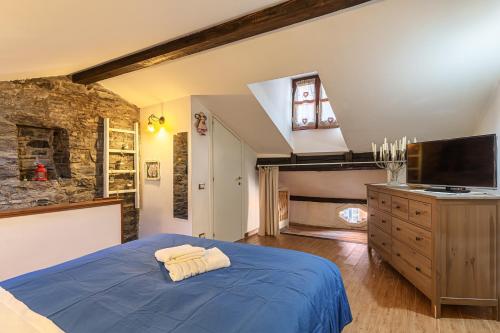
(381, 299)
(354, 236)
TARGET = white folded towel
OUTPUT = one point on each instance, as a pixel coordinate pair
(215, 259)
(212, 260)
(179, 253)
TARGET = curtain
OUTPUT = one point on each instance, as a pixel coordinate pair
(304, 104)
(327, 118)
(269, 201)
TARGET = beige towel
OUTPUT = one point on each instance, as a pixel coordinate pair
(212, 260)
(181, 252)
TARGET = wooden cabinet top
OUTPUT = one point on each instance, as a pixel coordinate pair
(59, 207)
(406, 191)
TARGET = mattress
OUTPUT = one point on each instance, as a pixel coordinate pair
(123, 289)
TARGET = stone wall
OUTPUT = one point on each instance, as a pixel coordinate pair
(67, 118)
(180, 174)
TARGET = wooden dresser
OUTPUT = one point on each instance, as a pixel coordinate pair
(446, 245)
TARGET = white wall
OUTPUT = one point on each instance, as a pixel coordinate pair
(251, 212)
(275, 97)
(489, 120)
(157, 196)
(201, 173)
(331, 184)
(156, 214)
(324, 214)
(326, 184)
(318, 141)
(33, 242)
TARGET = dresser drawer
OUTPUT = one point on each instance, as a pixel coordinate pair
(417, 238)
(421, 213)
(380, 219)
(399, 207)
(412, 258)
(384, 202)
(380, 239)
(420, 280)
(372, 199)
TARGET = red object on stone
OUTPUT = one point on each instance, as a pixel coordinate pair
(40, 173)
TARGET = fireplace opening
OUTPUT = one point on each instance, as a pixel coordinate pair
(49, 146)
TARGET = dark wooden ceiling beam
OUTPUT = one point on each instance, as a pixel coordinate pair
(268, 19)
(338, 162)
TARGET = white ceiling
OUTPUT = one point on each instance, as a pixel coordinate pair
(419, 68)
(59, 37)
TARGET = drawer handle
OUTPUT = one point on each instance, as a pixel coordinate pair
(383, 221)
(372, 235)
(398, 228)
(418, 238)
(372, 215)
(372, 198)
(398, 254)
(383, 243)
(398, 207)
(418, 269)
(383, 201)
(417, 212)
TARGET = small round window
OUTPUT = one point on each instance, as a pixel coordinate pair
(353, 215)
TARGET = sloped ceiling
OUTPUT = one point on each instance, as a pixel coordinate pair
(59, 37)
(419, 68)
(244, 115)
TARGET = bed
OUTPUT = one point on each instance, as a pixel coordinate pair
(123, 289)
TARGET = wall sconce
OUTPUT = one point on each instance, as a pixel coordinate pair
(153, 120)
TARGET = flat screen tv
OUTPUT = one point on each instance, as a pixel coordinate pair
(455, 163)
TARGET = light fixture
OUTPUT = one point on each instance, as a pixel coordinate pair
(152, 120)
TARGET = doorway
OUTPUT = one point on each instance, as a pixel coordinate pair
(227, 184)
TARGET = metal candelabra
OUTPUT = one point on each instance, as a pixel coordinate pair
(392, 157)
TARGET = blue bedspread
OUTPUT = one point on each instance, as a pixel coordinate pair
(122, 289)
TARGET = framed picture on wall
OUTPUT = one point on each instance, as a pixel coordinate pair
(152, 170)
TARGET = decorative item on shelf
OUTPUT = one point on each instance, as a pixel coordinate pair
(152, 170)
(118, 164)
(201, 123)
(392, 157)
(40, 173)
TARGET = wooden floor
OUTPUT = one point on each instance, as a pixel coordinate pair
(354, 236)
(381, 299)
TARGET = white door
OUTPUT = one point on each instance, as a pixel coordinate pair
(227, 168)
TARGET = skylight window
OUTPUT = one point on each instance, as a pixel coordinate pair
(311, 107)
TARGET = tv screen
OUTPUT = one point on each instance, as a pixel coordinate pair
(464, 162)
